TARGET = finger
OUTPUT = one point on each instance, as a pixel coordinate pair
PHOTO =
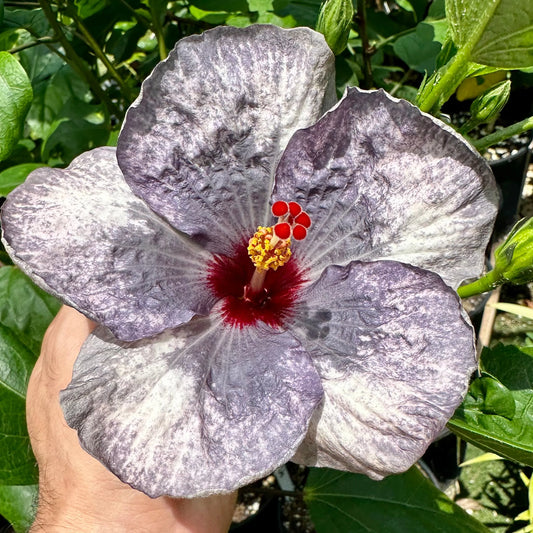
(61, 345)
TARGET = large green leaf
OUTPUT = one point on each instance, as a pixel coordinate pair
(25, 313)
(341, 502)
(15, 100)
(25, 309)
(421, 48)
(498, 33)
(17, 504)
(12, 177)
(32, 20)
(17, 464)
(486, 417)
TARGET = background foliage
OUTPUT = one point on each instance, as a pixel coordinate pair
(69, 69)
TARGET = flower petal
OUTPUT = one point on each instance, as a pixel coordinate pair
(381, 180)
(82, 235)
(195, 411)
(395, 357)
(201, 143)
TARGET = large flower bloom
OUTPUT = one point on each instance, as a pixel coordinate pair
(208, 372)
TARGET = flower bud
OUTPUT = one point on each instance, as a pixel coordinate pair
(334, 22)
(514, 258)
(487, 105)
(491, 102)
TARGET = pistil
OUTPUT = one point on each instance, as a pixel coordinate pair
(269, 248)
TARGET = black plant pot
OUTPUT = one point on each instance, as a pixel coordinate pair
(268, 519)
(510, 173)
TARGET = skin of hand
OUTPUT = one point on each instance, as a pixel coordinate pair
(76, 492)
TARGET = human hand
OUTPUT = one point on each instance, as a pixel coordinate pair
(76, 492)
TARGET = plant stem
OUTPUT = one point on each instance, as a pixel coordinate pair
(385, 41)
(399, 84)
(19, 4)
(158, 30)
(100, 54)
(450, 79)
(72, 58)
(455, 72)
(505, 133)
(40, 40)
(488, 282)
(361, 23)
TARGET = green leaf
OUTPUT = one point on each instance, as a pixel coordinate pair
(122, 43)
(17, 504)
(15, 99)
(272, 18)
(406, 4)
(78, 128)
(86, 8)
(421, 48)
(215, 5)
(437, 10)
(510, 437)
(305, 12)
(498, 33)
(260, 5)
(1, 11)
(34, 21)
(14, 176)
(52, 92)
(489, 396)
(25, 312)
(17, 464)
(25, 309)
(8, 39)
(341, 502)
(211, 17)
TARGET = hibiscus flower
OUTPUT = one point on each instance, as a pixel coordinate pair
(273, 280)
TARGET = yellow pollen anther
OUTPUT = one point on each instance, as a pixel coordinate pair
(267, 251)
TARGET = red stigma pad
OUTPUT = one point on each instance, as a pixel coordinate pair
(295, 208)
(304, 219)
(280, 208)
(299, 232)
(282, 230)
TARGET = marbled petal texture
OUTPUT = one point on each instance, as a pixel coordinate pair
(201, 143)
(195, 411)
(381, 180)
(83, 235)
(395, 357)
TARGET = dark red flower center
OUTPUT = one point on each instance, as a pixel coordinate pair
(258, 283)
(228, 278)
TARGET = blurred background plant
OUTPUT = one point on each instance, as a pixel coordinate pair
(69, 69)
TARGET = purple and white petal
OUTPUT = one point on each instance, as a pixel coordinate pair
(395, 357)
(382, 180)
(201, 143)
(199, 410)
(83, 236)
